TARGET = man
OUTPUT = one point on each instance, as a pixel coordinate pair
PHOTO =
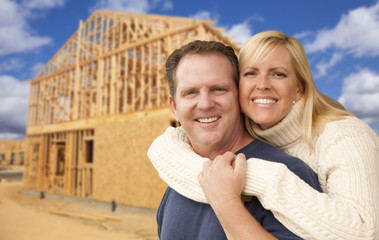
(203, 80)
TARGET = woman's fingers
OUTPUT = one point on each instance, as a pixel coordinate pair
(225, 159)
(206, 165)
(240, 165)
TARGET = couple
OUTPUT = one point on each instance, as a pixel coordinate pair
(282, 107)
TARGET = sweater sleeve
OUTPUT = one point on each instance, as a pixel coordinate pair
(348, 165)
(177, 164)
(348, 208)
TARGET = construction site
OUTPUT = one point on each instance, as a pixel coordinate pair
(12, 152)
(97, 105)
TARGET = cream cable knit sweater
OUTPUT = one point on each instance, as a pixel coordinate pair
(346, 158)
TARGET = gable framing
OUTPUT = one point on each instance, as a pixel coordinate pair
(114, 63)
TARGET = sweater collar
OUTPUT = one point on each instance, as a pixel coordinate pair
(286, 131)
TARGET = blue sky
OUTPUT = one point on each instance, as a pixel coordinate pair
(341, 38)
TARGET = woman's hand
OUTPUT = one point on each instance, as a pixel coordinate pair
(223, 179)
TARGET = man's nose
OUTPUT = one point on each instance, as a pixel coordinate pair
(205, 101)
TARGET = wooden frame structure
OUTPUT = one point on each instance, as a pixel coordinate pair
(109, 75)
(11, 152)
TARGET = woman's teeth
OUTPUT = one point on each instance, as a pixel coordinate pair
(264, 101)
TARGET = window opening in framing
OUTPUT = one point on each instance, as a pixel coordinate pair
(13, 158)
(60, 159)
(89, 151)
(22, 158)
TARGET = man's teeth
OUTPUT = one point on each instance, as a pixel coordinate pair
(264, 101)
(207, 120)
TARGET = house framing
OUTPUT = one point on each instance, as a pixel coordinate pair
(11, 152)
(97, 105)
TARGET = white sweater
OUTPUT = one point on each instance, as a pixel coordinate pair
(346, 159)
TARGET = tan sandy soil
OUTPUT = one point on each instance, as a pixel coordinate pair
(25, 216)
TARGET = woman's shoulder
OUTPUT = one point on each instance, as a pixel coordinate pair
(349, 126)
(349, 123)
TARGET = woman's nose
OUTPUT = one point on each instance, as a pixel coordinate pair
(263, 82)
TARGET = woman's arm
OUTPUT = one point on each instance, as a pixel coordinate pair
(222, 180)
(348, 167)
(177, 164)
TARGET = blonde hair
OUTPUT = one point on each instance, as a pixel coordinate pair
(318, 109)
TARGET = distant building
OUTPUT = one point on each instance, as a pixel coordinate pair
(98, 104)
(11, 152)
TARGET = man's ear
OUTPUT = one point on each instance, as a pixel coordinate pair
(173, 108)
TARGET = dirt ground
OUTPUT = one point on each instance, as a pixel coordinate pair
(27, 216)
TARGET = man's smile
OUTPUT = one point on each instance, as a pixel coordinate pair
(208, 120)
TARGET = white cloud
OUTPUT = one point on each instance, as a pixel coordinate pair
(11, 64)
(9, 14)
(13, 110)
(304, 34)
(167, 5)
(205, 15)
(323, 67)
(42, 4)
(140, 6)
(36, 68)
(360, 94)
(162, 4)
(356, 33)
(241, 32)
(15, 34)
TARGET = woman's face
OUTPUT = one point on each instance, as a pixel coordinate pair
(267, 89)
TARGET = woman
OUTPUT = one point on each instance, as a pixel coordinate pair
(283, 107)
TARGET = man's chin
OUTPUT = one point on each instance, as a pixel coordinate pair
(209, 140)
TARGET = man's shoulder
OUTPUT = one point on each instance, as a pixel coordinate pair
(260, 149)
(265, 151)
(181, 216)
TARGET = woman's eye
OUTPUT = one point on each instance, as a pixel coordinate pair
(249, 74)
(279, 74)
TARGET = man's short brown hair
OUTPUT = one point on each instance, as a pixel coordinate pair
(200, 48)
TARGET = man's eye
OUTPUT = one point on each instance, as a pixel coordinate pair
(189, 93)
(220, 89)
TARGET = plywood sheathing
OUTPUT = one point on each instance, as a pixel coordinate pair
(123, 173)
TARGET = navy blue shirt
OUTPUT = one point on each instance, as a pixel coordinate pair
(181, 218)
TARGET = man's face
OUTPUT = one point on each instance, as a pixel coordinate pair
(206, 103)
